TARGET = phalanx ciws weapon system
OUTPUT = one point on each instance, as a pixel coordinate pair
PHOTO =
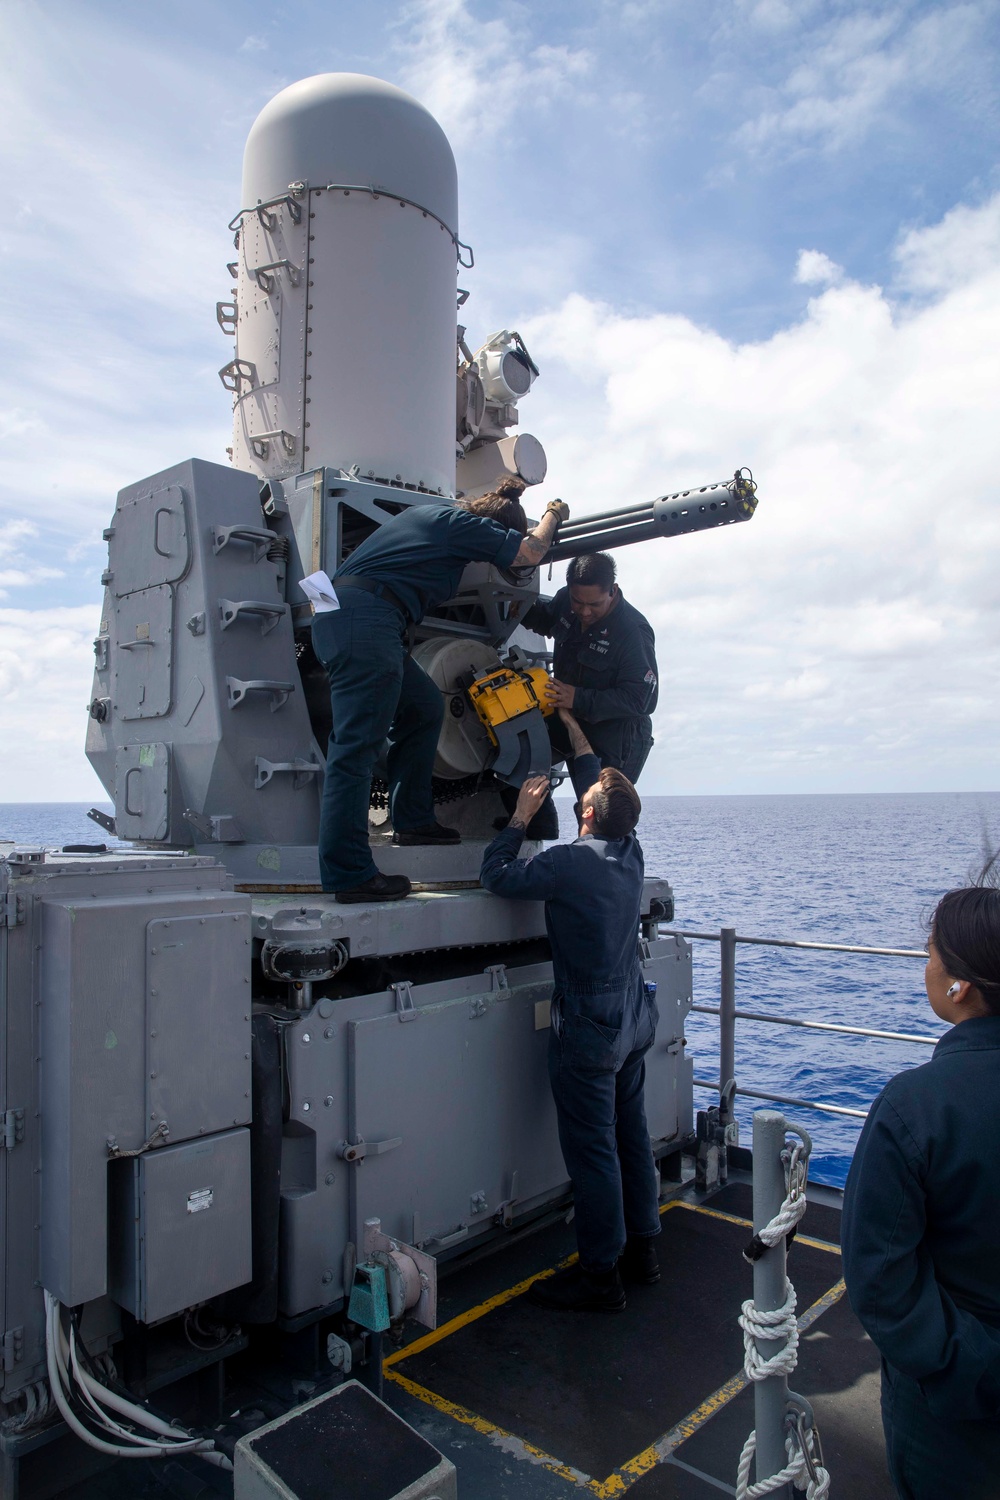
(217, 1079)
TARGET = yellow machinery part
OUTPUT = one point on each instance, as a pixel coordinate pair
(506, 694)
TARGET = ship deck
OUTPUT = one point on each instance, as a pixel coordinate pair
(651, 1403)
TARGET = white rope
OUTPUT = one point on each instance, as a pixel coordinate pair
(773, 1327)
(796, 1472)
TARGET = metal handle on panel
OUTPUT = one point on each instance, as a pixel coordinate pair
(230, 611)
(133, 812)
(279, 691)
(162, 510)
(260, 536)
(300, 769)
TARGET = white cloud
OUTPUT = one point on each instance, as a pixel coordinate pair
(254, 44)
(851, 71)
(840, 637)
(46, 665)
(962, 247)
(813, 268)
(477, 77)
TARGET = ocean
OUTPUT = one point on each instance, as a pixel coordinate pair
(860, 869)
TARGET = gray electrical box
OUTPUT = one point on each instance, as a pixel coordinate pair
(181, 1225)
(346, 1445)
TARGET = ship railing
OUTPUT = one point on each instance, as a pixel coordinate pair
(729, 1014)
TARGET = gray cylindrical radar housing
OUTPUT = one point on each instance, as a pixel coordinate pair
(345, 317)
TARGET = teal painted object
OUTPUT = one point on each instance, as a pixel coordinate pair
(369, 1304)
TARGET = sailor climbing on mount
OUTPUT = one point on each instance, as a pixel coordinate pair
(603, 1024)
(410, 565)
(604, 666)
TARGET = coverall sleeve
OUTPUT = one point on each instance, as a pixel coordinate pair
(635, 684)
(542, 617)
(891, 1283)
(521, 879)
(480, 539)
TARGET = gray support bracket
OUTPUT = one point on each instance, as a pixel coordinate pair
(231, 610)
(218, 828)
(258, 536)
(300, 769)
(11, 909)
(13, 1128)
(498, 976)
(404, 1000)
(103, 821)
(13, 1348)
(279, 691)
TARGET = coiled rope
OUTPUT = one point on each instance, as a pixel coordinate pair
(805, 1466)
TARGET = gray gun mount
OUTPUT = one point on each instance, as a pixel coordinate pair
(210, 714)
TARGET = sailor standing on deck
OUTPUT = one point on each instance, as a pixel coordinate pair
(411, 564)
(603, 1024)
(604, 665)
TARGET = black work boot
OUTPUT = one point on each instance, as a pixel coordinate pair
(433, 833)
(379, 888)
(580, 1289)
(639, 1263)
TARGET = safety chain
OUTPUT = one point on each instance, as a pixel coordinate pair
(805, 1460)
(117, 1154)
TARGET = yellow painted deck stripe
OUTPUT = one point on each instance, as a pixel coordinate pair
(474, 1313)
(488, 1429)
(717, 1213)
(634, 1468)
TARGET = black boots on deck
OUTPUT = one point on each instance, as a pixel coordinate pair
(379, 888)
(434, 833)
(639, 1264)
(580, 1289)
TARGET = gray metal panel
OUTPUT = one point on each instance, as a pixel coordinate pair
(142, 654)
(92, 984)
(148, 540)
(188, 1210)
(198, 986)
(142, 791)
(484, 1112)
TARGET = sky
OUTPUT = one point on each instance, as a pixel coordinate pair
(743, 233)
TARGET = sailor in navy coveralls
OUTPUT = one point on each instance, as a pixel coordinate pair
(921, 1225)
(410, 565)
(603, 1024)
(604, 664)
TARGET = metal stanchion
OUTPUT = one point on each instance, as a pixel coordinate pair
(769, 1291)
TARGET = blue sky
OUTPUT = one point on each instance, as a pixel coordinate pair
(758, 233)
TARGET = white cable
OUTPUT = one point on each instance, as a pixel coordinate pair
(137, 1446)
(796, 1472)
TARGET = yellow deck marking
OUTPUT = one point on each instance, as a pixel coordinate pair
(488, 1429)
(634, 1468)
(623, 1478)
(473, 1314)
(717, 1213)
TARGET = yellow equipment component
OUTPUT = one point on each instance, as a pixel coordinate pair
(507, 693)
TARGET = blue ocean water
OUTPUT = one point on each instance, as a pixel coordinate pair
(860, 869)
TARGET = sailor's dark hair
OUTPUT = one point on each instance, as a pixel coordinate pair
(503, 504)
(593, 569)
(965, 930)
(616, 805)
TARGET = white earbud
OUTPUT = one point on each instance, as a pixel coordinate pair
(954, 990)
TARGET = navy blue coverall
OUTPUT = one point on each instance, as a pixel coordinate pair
(612, 665)
(603, 1024)
(921, 1243)
(377, 691)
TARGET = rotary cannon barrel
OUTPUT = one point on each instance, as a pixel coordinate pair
(698, 509)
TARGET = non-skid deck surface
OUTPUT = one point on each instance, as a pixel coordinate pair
(651, 1401)
(820, 1222)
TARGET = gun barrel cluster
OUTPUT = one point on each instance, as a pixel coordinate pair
(698, 509)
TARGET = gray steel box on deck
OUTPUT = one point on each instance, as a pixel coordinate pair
(345, 1445)
(180, 1221)
(113, 967)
